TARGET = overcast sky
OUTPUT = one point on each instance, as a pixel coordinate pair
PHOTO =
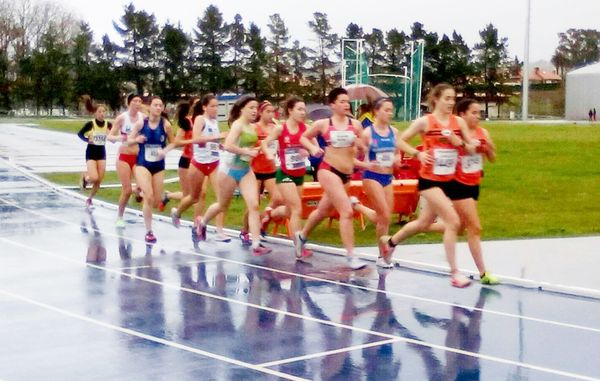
(468, 17)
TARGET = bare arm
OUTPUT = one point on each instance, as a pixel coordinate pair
(135, 137)
(416, 127)
(273, 135)
(115, 132)
(490, 153)
(308, 138)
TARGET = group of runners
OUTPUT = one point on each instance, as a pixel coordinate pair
(259, 152)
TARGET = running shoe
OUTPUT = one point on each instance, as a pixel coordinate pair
(299, 243)
(260, 250)
(459, 281)
(120, 223)
(354, 201)
(150, 238)
(163, 203)
(245, 237)
(489, 279)
(305, 255)
(382, 263)
(356, 264)
(83, 182)
(88, 203)
(222, 237)
(201, 231)
(175, 219)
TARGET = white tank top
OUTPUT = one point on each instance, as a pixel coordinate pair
(128, 124)
(206, 153)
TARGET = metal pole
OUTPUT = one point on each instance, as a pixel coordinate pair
(410, 101)
(405, 93)
(525, 92)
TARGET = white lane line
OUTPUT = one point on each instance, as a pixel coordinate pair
(333, 282)
(312, 319)
(327, 353)
(152, 266)
(155, 339)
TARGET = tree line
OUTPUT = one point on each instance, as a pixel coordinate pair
(49, 59)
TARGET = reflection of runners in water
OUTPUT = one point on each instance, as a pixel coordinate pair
(94, 134)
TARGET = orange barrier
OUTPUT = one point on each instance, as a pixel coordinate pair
(406, 198)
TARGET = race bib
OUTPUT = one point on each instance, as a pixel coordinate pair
(342, 139)
(444, 161)
(99, 139)
(385, 158)
(151, 154)
(213, 148)
(293, 158)
(472, 163)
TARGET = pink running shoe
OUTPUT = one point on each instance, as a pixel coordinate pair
(260, 250)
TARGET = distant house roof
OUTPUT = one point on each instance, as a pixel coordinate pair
(539, 75)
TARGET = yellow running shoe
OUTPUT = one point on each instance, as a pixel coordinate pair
(489, 279)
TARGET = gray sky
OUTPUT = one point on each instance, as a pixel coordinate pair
(467, 17)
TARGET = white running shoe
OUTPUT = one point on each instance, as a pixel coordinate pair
(175, 219)
(222, 237)
(299, 244)
(380, 262)
(120, 223)
(356, 264)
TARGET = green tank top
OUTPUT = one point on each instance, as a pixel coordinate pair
(248, 139)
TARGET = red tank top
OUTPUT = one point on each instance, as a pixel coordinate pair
(292, 162)
(469, 169)
(260, 164)
(187, 149)
(436, 143)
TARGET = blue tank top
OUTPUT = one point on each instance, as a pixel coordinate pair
(382, 148)
(156, 139)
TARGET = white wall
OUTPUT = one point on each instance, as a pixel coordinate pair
(582, 94)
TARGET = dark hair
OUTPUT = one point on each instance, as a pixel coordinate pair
(131, 96)
(436, 93)
(236, 110)
(463, 105)
(290, 103)
(90, 105)
(335, 93)
(379, 102)
(198, 108)
(206, 100)
(183, 109)
(193, 100)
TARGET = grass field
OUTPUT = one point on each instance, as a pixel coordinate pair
(545, 183)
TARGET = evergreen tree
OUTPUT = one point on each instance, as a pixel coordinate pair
(138, 57)
(491, 55)
(173, 76)
(327, 42)
(278, 66)
(238, 51)
(255, 80)
(211, 38)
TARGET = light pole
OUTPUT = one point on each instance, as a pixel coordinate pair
(525, 90)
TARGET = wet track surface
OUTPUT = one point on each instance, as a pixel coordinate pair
(81, 300)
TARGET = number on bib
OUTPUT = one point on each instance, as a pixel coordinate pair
(385, 158)
(293, 159)
(472, 163)
(444, 161)
(99, 139)
(151, 154)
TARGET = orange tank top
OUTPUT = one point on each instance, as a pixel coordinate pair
(437, 144)
(469, 169)
(260, 164)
